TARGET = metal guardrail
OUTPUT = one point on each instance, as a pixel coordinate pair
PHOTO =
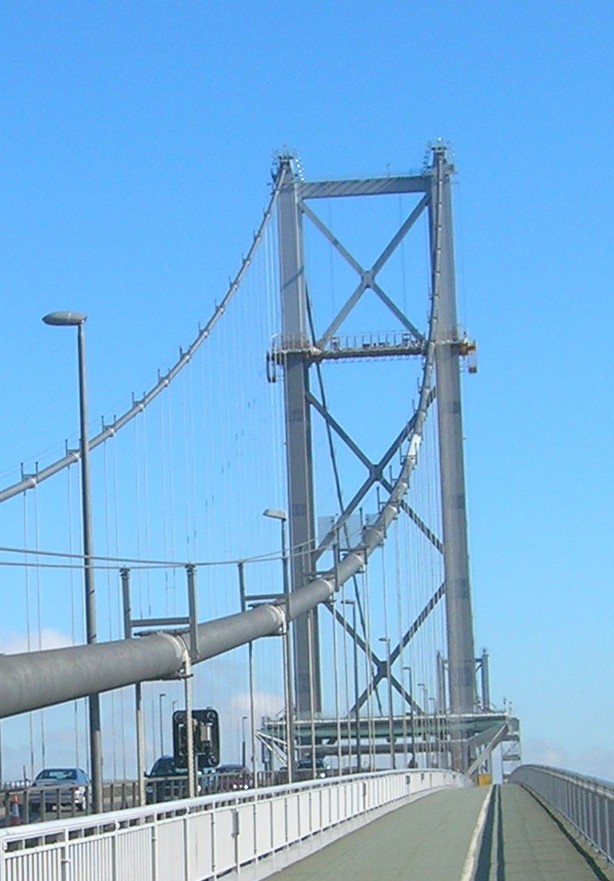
(202, 838)
(587, 803)
(21, 803)
(25, 804)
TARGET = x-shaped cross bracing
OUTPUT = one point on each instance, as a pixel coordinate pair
(367, 276)
(376, 470)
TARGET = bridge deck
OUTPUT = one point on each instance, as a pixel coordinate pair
(429, 840)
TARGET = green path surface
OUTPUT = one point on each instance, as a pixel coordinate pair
(427, 840)
(533, 846)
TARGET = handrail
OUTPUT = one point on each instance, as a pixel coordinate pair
(587, 803)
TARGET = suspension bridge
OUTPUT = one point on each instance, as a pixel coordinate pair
(275, 532)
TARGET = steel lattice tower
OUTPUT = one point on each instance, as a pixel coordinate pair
(297, 352)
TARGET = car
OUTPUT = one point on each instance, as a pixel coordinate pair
(55, 788)
(280, 776)
(228, 778)
(166, 781)
(310, 767)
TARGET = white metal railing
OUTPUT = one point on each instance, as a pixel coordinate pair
(202, 838)
(585, 802)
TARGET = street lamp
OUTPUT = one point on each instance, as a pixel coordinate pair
(282, 516)
(243, 750)
(160, 697)
(393, 758)
(434, 750)
(352, 603)
(78, 319)
(410, 688)
(425, 710)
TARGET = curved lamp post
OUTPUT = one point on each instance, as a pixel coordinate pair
(282, 516)
(412, 719)
(78, 319)
(393, 759)
(425, 723)
(243, 744)
(352, 603)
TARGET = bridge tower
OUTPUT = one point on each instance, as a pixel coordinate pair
(301, 516)
(461, 653)
(297, 351)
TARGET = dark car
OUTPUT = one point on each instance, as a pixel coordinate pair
(309, 768)
(228, 778)
(59, 788)
(166, 781)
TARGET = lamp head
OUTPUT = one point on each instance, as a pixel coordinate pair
(65, 319)
(275, 514)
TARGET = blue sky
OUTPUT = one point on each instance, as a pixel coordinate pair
(136, 143)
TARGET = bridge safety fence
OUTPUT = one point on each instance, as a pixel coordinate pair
(24, 803)
(20, 802)
(587, 803)
(204, 838)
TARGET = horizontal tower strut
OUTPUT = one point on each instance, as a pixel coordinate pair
(376, 186)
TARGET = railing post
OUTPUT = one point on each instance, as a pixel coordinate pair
(608, 828)
(65, 858)
(186, 848)
(114, 858)
(603, 832)
(213, 846)
(255, 825)
(236, 831)
(154, 851)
